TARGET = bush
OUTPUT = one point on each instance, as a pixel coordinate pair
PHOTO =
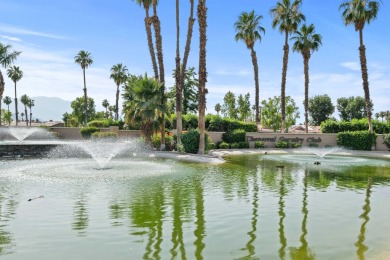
(296, 145)
(211, 146)
(234, 146)
(243, 145)
(156, 142)
(224, 145)
(104, 135)
(218, 144)
(314, 145)
(234, 136)
(259, 144)
(330, 126)
(190, 141)
(360, 140)
(98, 123)
(86, 132)
(386, 140)
(281, 144)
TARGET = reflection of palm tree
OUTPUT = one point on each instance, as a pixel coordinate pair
(361, 247)
(200, 222)
(177, 231)
(282, 215)
(303, 252)
(81, 216)
(6, 214)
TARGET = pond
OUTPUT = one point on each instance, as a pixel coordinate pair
(252, 207)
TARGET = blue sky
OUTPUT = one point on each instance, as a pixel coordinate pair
(50, 33)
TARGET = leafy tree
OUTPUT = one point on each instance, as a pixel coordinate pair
(229, 105)
(7, 100)
(320, 109)
(142, 96)
(15, 74)
(243, 107)
(287, 15)
(217, 108)
(30, 104)
(248, 30)
(352, 108)
(119, 74)
(358, 13)
(65, 117)
(7, 57)
(306, 42)
(84, 59)
(202, 20)
(25, 99)
(7, 117)
(190, 95)
(78, 106)
(272, 116)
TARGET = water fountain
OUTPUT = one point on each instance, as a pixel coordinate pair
(20, 134)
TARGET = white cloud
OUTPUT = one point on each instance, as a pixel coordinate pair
(233, 72)
(21, 31)
(355, 66)
(14, 39)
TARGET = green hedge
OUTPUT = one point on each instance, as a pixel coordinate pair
(359, 140)
(190, 141)
(87, 132)
(259, 144)
(331, 126)
(105, 135)
(281, 144)
(234, 136)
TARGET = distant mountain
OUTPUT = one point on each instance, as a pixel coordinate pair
(49, 108)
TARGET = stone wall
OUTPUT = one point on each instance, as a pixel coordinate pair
(25, 150)
(73, 133)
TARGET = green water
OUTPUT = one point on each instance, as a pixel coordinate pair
(253, 207)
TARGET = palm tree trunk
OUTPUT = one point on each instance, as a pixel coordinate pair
(178, 74)
(283, 88)
(117, 102)
(30, 116)
(1, 91)
(25, 112)
(256, 76)
(202, 20)
(1, 98)
(187, 49)
(85, 100)
(150, 44)
(363, 64)
(16, 107)
(160, 58)
(306, 57)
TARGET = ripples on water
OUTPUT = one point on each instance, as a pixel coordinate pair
(151, 208)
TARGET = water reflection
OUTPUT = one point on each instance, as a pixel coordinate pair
(81, 218)
(8, 205)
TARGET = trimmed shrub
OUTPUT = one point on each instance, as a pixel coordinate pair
(330, 126)
(211, 146)
(360, 140)
(234, 136)
(243, 145)
(259, 144)
(224, 145)
(281, 144)
(234, 146)
(314, 145)
(156, 142)
(294, 145)
(386, 140)
(86, 132)
(218, 144)
(98, 123)
(104, 135)
(190, 141)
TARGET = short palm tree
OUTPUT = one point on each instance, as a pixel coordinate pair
(306, 41)
(22, 114)
(84, 59)
(106, 104)
(119, 74)
(7, 57)
(202, 20)
(15, 74)
(30, 104)
(287, 15)
(218, 108)
(7, 100)
(25, 99)
(248, 30)
(358, 13)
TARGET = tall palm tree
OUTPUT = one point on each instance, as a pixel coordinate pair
(202, 20)
(106, 104)
(119, 75)
(358, 13)
(7, 57)
(181, 68)
(7, 100)
(148, 21)
(25, 99)
(306, 41)
(30, 104)
(287, 16)
(15, 74)
(84, 59)
(249, 30)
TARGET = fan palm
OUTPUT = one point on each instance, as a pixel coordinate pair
(249, 30)
(84, 59)
(202, 20)
(7, 57)
(25, 99)
(287, 16)
(7, 100)
(119, 75)
(15, 74)
(106, 104)
(358, 13)
(30, 104)
(306, 42)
